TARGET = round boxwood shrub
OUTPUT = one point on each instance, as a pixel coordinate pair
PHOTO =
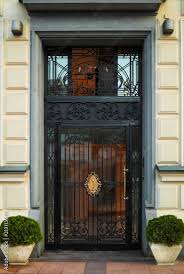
(168, 230)
(21, 231)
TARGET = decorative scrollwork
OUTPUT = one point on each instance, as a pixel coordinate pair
(135, 180)
(97, 112)
(79, 228)
(93, 184)
(54, 113)
(74, 139)
(108, 111)
(111, 228)
(131, 111)
(135, 156)
(78, 111)
(93, 72)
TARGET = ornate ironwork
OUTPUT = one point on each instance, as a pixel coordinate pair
(102, 134)
(108, 111)
(78, 111)
(63, 112)
(112, 228)
(94, 72)
(93, 184)
(71, 230)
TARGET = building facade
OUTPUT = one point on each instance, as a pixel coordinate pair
(92, 118)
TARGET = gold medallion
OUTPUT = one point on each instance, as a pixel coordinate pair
(93, 184)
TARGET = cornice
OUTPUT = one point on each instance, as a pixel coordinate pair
(149, 6)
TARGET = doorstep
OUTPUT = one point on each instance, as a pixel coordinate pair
(95, 255)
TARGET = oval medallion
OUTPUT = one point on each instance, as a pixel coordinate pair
(93, 184)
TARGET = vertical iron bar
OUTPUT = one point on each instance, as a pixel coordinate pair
(93, 204)
(116, 179)
(83, 179)
(65, 185)
(74, 190)
(97, 217)
(129, 188)
(89, 217)
(70, 183)
(107, 182)
(46, 178)
(103, 179)
(79, 184)
(140, 184)
(57, 205)
(112, 184)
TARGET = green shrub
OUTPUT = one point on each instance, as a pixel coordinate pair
(21, 231)
(167, 230)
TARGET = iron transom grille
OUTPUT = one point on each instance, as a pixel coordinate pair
(94, 72)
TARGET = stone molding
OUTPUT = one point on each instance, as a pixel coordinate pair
(13, 178)
(169, 169)
(14, 169)
(91, 5)
(172, 178)
(171, 174)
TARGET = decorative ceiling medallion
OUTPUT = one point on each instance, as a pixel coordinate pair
(93, 184)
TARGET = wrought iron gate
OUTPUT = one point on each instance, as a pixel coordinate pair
(93, 147)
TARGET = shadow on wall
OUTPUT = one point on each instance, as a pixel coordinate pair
(1, 257)
(182, 253)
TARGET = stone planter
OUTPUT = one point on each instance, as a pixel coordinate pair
(17, 255)
(165, 255)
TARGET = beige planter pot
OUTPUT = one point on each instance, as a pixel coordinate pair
(17, 255)
(165, 255)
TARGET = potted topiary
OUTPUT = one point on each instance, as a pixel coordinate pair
(18, 236)
(165, 235)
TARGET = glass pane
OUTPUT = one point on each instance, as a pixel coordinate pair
(94, 72)
(128, 74)
(57, 75)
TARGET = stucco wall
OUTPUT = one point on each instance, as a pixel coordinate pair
(169, 120)
(15, 110)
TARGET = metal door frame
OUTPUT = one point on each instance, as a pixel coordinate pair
(86, 99)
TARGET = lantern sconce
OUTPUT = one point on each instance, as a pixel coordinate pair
(168, 26)
(17, 27)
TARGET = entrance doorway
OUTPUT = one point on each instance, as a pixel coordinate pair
(93, 162)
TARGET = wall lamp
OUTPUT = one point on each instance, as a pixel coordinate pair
(168, 26)
(17, 27)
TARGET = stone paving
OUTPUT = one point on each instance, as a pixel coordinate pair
(87, 263)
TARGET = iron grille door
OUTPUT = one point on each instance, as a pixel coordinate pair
(93, 148)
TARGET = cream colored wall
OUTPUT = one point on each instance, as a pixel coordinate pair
(168, 87)
(15, 119)
(169, 120)
(14, 109)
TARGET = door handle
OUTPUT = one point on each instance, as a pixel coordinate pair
(125, 170)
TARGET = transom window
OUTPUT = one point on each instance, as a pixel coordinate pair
(108, 71)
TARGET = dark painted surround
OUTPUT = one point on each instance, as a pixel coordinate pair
(130, 23)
